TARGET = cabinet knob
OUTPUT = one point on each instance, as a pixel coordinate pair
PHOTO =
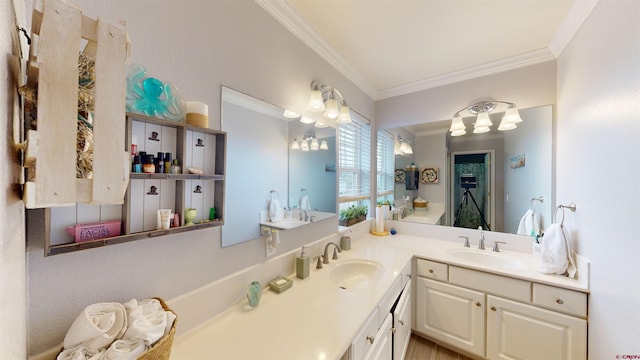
(478, 304)
(431, 271)
(559, 301)
(371, 339)
(401, 322)
(493, 308)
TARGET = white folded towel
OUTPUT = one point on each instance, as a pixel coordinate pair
(147, 321)
(529, 224)
(304, 203)
(79, 353)
(557, 255)
(124, 350)
(276, 213)
(97, 326)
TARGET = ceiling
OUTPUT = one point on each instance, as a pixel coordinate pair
(394, 47)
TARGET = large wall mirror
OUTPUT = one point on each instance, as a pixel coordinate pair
(261, 166)
(512, 170)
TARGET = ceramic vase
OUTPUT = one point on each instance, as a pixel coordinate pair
(254, 293)
(189, 215)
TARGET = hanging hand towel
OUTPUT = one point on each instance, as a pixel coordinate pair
(529, 224)
(556, 253)
(304, 203)
(275, 211)
(97, 326)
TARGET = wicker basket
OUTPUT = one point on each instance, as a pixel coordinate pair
(161, 350)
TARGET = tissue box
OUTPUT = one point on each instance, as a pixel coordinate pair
(88, 232)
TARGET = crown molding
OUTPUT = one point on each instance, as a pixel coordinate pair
(578, 13)
(284, 14)
(510, 63)
(290, 19)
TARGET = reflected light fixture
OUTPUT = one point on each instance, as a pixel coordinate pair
(290, 114)
(483, 123)
(327, 98)
(309, 142)
(405, 146)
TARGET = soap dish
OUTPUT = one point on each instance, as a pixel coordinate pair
(280, 284)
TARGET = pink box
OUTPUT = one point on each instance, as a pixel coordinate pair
(87, 232)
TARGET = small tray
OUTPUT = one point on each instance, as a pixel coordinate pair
(278, 286)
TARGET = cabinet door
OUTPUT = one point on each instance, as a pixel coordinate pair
(381, 348)
(402, 323)
(451, 314)
(519, 331)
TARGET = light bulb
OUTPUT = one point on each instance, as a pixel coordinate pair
(295, 145)
(332, 110)
(511, 116)
(457, 124)
(458, 132)
(304, 146)
(314, 145)
(290, 114)
(483, 120)
(345, 115)
(315, 101)
(324, 145)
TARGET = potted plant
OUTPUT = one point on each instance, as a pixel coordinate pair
(353, 215)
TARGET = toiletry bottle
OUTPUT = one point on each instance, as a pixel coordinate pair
(345, 240)
(302, 265)
(167, 163)
(136, 167)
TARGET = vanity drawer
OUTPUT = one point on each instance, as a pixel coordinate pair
(432, 270)
(493, 284)
(362, 342)
(563, 300)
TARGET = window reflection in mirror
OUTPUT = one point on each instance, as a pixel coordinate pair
(513, 186)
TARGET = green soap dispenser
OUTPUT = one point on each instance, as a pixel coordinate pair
(302, 265)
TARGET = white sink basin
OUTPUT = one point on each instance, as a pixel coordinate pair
(356, 273)
(285, 224)
(488, 258)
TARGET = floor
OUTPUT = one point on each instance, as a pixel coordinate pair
(423, 349)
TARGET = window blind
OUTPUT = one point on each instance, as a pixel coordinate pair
(385, 164)
(354, 160)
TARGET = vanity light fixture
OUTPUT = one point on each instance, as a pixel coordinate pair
(327, 98)
(405, 146)
(483, 123)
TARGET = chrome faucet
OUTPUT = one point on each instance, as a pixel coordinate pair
(336, 250)
(495, 245)
(466, 241)
(481, 242)
(305, 217)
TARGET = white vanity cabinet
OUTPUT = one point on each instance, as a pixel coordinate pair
(386, 332)
(451, 314)
(402, 316)
(499, 317)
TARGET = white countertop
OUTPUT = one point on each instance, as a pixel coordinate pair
(315, 319)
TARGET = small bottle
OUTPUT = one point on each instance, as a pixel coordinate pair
(175, 167)
(136, 167)
(167, 163)
(148, 166)
(302, 265)
(159, 162)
